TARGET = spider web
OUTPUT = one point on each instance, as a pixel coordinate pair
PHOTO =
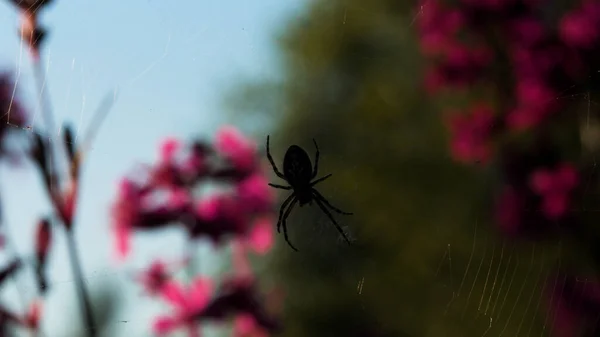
(492, 286)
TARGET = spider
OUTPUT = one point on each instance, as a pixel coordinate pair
(298, 173)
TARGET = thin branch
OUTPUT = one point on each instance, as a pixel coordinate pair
(80, 284)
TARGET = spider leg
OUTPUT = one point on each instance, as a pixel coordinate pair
(316, 168)
(281, 186)
(322, 198)
(282, 209)
(320, 179)
(285, 216)
(332, 219)
(279, 174)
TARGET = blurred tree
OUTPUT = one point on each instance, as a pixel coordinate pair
(426, 260)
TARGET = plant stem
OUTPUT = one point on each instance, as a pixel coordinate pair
(80, 285)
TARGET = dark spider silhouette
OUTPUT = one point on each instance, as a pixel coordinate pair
(298, 173)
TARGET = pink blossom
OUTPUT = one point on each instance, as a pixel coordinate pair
(239, 150)
(578, 29)
(554, 187)
(122, 235)
(255, 193)
(155, 277)
(471, 134)
(179, 198)
(467, 58)
(532, 92)
(193, 165)
(535, 100)
(169, 148)
(208, 207)
(125, 213)
(187, 305)
(221, 207)
(437, 27)
(260, 237)
(245, 326)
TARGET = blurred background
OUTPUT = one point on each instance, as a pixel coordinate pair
(424, 260)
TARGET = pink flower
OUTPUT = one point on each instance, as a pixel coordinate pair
(532, 92)
(255, 193)
(239, 150)
(208, 208)
(122, 239)
(155, 277)
(168, 149)
(437, 27)
(220, 207)
(193, 165)
(218, 216)
(471, 134)
(125, 214)
(260, 237)
(579, 29)
(554, 187)
(535, 100)
(179, 198)
(187, 305)
(245, 326)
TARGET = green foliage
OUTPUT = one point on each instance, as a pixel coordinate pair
(426, 261)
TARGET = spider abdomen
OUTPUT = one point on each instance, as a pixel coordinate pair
(297, 167)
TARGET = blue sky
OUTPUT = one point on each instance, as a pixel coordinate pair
(170, 62)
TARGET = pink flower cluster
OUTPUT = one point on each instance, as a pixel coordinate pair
(554, 187)
(201, 301)
(522, 58)
(241, 212)
(471, 134)
(166, 195)
(506, 45)
(534, 204)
